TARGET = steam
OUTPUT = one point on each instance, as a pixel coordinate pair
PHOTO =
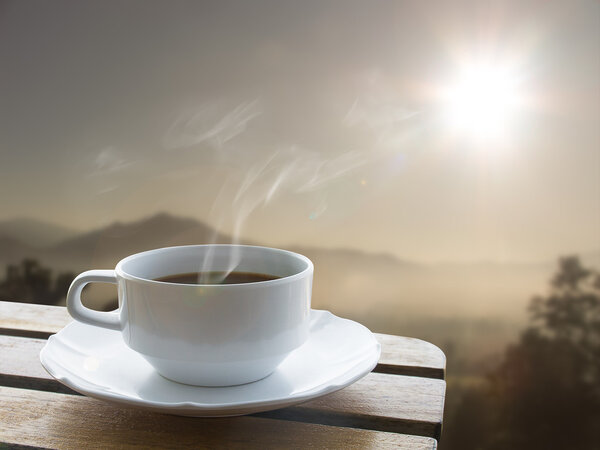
(208, 125)
(292, 170)
(108, 166)
(380, 116)
(289, 169)
(109, 160)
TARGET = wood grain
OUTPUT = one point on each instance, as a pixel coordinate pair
(20, 365)
(410, 356)
(25, 319)
(47, 419)
(399, 355)
(384, 402)
(378, 401)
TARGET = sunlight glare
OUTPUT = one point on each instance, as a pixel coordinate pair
(481, 102)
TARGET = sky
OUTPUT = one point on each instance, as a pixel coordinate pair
(365, 125)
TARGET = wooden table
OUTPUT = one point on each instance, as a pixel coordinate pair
(399, 405)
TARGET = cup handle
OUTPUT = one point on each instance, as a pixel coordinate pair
(79, 312)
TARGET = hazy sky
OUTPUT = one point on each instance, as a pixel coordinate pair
(320, 123)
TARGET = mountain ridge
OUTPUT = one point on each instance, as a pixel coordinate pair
(35, 232)
(350, 282)
(164, 229)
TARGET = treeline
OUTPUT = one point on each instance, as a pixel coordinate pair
(545, 391)
(30, 282)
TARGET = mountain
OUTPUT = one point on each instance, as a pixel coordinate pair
(106, 246)
(13, 250)
(34, 233)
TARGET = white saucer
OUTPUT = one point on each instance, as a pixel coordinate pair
(96, 362)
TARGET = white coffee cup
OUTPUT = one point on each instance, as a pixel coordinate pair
(207, 335)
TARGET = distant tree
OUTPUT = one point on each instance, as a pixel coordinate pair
(61, 285)
(545, 393)
(547, 390)
(30, 282)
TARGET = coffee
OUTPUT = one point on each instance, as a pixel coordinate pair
(216, 278)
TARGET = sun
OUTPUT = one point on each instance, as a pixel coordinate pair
(480, 104)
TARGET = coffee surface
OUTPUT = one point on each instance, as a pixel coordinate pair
(217, 278)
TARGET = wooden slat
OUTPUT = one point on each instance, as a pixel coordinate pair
(383, 402)
(398, 403)
(399, 355)
(47, 419)
(20, 365)
(25, 319)
(410, 356)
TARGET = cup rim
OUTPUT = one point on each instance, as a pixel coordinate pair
(128, 276)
